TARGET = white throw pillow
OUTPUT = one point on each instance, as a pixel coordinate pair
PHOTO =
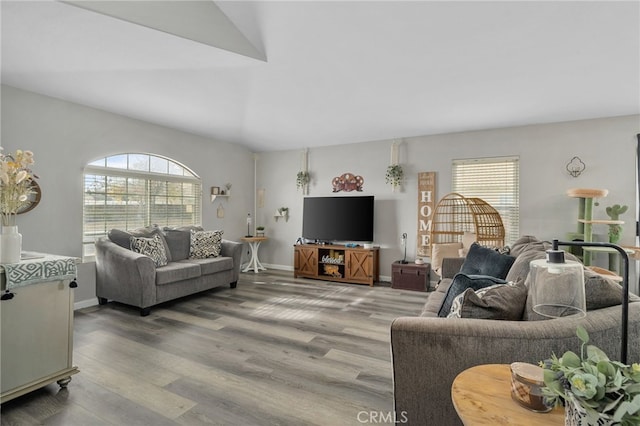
(440, 251)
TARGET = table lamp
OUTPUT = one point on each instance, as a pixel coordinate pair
(625, 286)
(557, 286)
(249, 225)
(404, 244)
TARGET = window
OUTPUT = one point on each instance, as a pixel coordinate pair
(129, 191)
(496, 181)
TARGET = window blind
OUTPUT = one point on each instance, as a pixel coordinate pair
(129, 191)
(495, 180)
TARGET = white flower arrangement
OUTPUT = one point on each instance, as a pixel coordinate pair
(15, 178)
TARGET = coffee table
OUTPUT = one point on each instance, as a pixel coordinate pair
(481, 395)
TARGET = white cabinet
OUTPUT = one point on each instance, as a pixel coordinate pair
(36, 337)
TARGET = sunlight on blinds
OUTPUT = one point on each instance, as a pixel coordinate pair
(496, 181)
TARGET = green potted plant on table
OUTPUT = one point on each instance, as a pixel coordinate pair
(259, 231)
(594, 389)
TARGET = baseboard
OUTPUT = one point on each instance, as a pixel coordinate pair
(279, 267)
(85, 303)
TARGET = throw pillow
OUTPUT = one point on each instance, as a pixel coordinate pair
(460, 283)
(498, 302)
(179, 240)
(440, 251)
(152, 247)
(485, 261)
(205, 244)
(123, 238)
(468, 238)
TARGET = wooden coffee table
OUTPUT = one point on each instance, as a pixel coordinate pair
(481, 395)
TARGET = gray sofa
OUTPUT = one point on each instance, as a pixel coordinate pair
(132, 278)
(429, 351)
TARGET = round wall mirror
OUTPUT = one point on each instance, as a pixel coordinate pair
(34, 198)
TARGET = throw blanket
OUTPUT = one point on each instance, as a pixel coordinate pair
(38, 268)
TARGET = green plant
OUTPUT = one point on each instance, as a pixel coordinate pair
(283, 210)
(259, 228)
(302, 179)
(615, 229)
(600, 386)
(394, 175)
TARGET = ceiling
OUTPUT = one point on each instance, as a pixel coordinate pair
(298, 74)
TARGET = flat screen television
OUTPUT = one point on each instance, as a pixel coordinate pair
(331, 219)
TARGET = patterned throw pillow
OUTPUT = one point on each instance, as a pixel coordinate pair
(205, 244)
(152, 247)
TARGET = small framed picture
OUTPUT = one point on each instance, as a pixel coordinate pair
(215, 190)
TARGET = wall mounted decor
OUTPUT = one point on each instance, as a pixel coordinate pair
(303, 178)
(394, 174)
(575, 166)
(426, 205)
(347, 182)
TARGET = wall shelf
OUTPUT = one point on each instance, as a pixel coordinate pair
(223, 196)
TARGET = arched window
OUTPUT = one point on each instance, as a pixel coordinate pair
(133, 190)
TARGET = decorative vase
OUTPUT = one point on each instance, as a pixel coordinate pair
(575, 415)
(11, 244)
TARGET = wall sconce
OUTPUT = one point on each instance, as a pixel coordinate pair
(575, 167)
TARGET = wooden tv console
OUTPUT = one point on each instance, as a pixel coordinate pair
(356, 265)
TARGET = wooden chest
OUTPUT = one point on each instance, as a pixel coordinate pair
(409, 276)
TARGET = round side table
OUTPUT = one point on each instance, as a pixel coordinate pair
(481, 395)
(254, 264)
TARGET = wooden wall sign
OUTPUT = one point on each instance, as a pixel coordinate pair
(426, 205)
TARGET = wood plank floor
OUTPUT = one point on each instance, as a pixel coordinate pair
(274, 351)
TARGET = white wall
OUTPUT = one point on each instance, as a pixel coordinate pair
(607, 146)
(66, 136)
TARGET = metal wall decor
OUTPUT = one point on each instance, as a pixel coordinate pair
(347, 182)
(575, 167)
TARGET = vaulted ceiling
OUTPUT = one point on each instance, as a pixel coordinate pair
(287, 75)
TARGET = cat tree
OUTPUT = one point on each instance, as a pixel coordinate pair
(586, 222)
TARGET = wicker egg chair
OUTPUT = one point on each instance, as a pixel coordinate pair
(455, 214)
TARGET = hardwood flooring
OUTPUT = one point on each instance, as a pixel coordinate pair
(274, 351)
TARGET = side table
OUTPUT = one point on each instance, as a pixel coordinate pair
(254, 262)
(410, 276)
(481, 395)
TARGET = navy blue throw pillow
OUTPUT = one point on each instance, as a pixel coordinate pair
(485, 261)
(460, 283)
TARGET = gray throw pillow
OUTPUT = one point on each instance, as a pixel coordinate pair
(123, 238)
(485, 261)
(179, 241)
(460, 283)
(497, 302)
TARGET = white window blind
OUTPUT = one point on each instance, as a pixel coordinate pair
(129, 191)
(496, 181)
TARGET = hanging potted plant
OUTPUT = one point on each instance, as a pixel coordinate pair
(394, 175)
(302, 179)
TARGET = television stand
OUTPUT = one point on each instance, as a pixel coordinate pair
(328, 262)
